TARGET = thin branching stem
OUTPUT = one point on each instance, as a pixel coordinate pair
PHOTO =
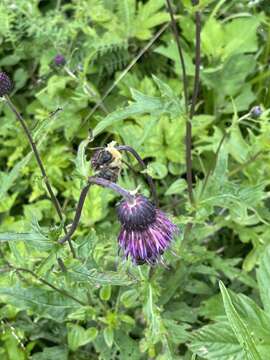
(18, 270)
(40, 164)
(189, 113)
(52, 286)
(180, 52)
(193, 106)
(92, 180)
(141, 162)
(88, 89)
(124, 73)
(197, 65)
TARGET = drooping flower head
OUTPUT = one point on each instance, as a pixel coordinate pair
(146, 231)
(5, 84)
(59, 60)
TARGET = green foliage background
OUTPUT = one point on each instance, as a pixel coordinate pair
(212, 300)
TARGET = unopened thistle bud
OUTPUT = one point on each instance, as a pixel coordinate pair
(59, 60)
(256, 112)
(5, 84)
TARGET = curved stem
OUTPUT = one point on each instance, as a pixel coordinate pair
(128, 68)
(141, 162)
(77, 217)
(96, 181)
(108, 184)
(40, 164)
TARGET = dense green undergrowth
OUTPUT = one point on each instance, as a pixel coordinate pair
(211, 299)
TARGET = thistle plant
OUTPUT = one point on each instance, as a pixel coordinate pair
(164, 149)
(146, 232)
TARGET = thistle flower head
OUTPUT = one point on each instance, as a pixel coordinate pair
(146, 232)
(59, 60)
(5, 84)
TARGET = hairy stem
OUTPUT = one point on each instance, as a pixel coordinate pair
(40, 164)
(141, 162)
(92, 180)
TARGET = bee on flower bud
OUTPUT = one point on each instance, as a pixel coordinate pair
(107, 162)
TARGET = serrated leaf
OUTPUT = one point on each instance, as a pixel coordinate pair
(82, 165)
(263, 278)
(239, 327)
(216, 341)
(45, 303)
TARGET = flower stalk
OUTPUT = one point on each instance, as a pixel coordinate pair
(141, 162)
(92, 180)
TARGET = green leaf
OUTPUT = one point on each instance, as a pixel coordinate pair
(177, 187)
(79, 336)
(46, 303)
(82, 165)
(108, 334)
(80, 273)
(263, 278)
(239, 327)
(157, 170)
(52, 353)
(216, 342)
(105, 292)
(144, 104)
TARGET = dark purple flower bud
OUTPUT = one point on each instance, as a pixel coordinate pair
(256, 112)
(146, 231)
(59, 60)
(5, 84)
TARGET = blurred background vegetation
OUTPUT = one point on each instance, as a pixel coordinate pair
(122, 81)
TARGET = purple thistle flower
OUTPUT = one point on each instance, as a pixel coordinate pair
(146, 231)
(59, 60)
(5, 84)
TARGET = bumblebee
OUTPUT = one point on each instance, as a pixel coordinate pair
(107, 162)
